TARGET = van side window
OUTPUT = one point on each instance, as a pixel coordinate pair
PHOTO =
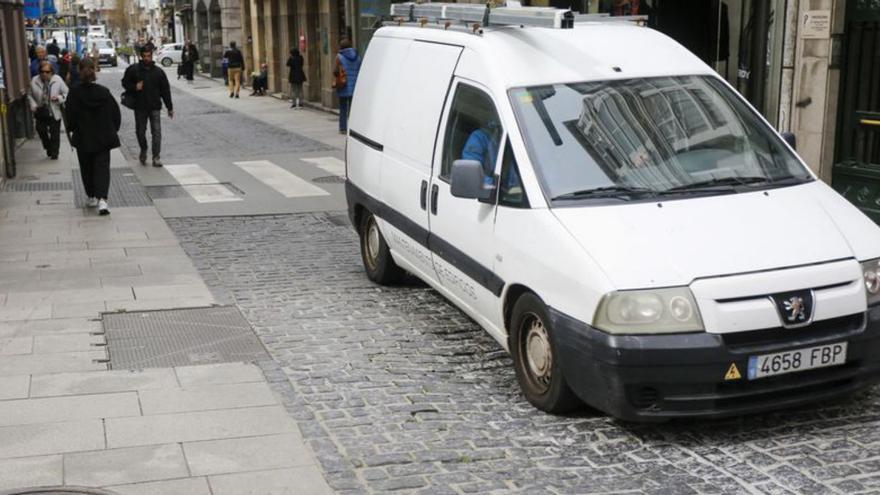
(512, 193)
(473, 131)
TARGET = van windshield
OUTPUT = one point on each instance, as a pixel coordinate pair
(647, 137)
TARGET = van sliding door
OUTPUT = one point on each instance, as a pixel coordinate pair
(414, 116)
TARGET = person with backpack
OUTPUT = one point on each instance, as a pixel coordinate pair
(93, 121)
(146, 88)
(348, 63)
(297, 77)
(235, 66)
(46, 94)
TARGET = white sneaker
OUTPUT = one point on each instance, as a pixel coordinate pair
(92, 202)
(103, 209)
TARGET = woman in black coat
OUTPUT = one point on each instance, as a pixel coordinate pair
(296, 77)
(189, 57)
(93, 121)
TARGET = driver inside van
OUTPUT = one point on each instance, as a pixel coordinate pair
(482, 146)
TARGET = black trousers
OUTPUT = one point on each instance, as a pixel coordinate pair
(50, 134)
(95, 171)
(140, 127)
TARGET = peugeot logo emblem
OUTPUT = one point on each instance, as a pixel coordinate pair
(795, 308)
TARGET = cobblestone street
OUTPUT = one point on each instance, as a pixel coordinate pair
(397, 389)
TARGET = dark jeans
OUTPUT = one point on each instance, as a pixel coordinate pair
(95, 171)
(50, 134)
(344, 107)
(140, 123)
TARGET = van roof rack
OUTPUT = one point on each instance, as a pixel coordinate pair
(475, 17)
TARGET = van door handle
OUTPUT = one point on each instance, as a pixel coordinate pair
(423, 195)
(434, 193)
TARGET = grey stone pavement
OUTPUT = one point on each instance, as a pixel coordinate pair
(65, 418)
(382, 388)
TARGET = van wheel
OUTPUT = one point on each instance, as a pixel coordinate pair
(536, 359)
(378, 263)
(166, 62)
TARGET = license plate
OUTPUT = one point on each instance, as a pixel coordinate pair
(797, 360)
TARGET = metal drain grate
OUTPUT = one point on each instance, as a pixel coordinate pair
(174, 192)
(166, 192)
(125, 190)
(28, 186)
(330, 179)
(180, 337)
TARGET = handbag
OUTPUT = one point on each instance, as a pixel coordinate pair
(127, 99)
(341, 78)
(43, 113)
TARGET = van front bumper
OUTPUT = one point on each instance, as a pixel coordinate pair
(659, 377)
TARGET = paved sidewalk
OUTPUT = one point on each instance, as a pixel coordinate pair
(66, 419)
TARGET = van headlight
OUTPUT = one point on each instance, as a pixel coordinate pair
(871, 270)
(672, 310)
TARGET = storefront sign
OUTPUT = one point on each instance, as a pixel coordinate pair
(816, 25)
(32, 9)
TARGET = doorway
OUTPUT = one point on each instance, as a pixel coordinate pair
(856, 172)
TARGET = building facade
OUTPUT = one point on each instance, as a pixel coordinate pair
(212, 25)
(314, 27)
(14, 79)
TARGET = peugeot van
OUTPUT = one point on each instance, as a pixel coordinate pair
(614, 214)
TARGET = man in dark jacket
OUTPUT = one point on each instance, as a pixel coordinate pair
(235, 66)
(150, 86)
(53, 48)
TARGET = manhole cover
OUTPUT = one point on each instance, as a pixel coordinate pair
(178, 191)
(180, 337)
(330, 179)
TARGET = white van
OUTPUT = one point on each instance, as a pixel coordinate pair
(106, 50)
(615, 215)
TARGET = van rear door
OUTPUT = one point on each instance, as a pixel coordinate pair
(414, 116)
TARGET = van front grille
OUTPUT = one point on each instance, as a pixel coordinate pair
(831, 328)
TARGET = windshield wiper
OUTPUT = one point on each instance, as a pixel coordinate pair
(718, 184)
(607, 191)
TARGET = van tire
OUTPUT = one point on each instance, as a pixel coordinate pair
(536, 357)
(166, 62)
(378, 263)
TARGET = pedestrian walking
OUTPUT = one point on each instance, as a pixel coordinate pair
(150, 88)
(297, 77)
(93, 120)
(189, 57)
(41, 56)
(73, 72)
(95, 55)
(348, 63)
(64, 65)
(235, 66)
(53, 48)
(46, 94)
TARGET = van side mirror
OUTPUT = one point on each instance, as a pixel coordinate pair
(469, 181)
(790, 138)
